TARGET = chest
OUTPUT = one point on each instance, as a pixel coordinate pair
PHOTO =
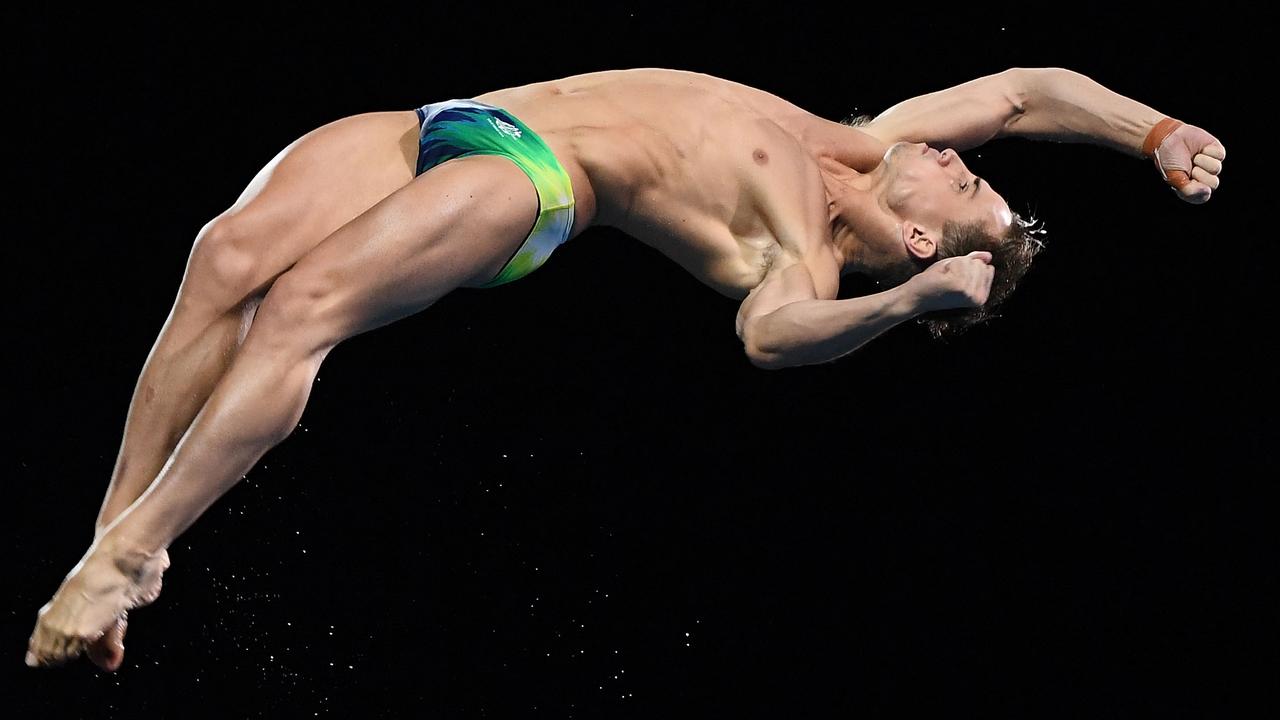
(706, 210)
(722, 207)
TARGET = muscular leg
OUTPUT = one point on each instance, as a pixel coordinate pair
(311, 188)
(453, 226)
(194, 348)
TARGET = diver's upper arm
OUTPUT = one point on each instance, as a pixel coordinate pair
(785, 283)
(961, 117)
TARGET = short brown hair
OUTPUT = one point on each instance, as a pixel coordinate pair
(1011, 255)
(856, 120)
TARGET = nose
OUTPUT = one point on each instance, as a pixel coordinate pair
(945, 158)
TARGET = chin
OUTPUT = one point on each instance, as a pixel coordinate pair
(894, 149)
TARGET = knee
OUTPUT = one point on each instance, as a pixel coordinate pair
(300, 313)
(224, 265)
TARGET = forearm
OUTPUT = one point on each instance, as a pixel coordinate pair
(1066, 106)
(808, 332)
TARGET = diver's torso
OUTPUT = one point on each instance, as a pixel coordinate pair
(672, 157)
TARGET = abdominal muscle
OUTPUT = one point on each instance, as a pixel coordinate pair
(666, 156)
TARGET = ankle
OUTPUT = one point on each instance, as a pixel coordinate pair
(135, 566)
(127, 551)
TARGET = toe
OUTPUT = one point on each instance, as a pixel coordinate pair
(72, 649)
(33, 658)
(38, 648)
(58, 649)
(107, 652)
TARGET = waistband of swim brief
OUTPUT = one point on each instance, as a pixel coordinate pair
(429, 111)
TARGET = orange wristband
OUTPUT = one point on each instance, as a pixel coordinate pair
(1151, 146)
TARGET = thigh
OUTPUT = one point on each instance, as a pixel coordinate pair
(453, 226)
(317, 184)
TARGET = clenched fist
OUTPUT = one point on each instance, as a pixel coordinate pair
(1190, 161)
(958, 282)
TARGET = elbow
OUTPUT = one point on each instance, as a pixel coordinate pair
(766, 361)
(1031, 82)
(759, 356)
(1031, 71)
(1019, 84)
(1018, 87)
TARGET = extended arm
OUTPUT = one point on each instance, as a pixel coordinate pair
(1038, 103)
(1063, 106)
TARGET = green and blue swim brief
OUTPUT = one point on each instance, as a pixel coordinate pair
(458, 128)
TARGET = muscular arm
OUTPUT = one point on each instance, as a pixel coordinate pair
(783, 323)
(960, 117)
(1065, 106)
(1036, 103)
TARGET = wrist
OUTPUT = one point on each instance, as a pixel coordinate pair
(1156, 135)
(912, 298)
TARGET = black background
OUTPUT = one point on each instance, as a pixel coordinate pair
(572, 496)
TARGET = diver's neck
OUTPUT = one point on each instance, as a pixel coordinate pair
(844, 187)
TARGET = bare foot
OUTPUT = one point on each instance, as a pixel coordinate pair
(90, 609)
(107, 652)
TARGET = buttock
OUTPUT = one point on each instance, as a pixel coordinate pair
(461, 127)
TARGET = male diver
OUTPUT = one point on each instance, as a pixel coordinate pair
(376, 216)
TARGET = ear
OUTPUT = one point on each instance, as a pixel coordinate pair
(920, 241)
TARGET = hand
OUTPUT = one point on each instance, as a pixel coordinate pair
(1190, 160)
(958, 282)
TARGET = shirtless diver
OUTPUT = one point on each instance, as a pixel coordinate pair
(376, 216)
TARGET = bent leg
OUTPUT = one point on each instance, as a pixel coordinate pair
(453, 226)
(450, 227)
(311, 188)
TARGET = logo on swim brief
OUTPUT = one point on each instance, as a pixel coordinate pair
(505, 128)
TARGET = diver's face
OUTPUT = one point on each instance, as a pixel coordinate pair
(928, 187)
